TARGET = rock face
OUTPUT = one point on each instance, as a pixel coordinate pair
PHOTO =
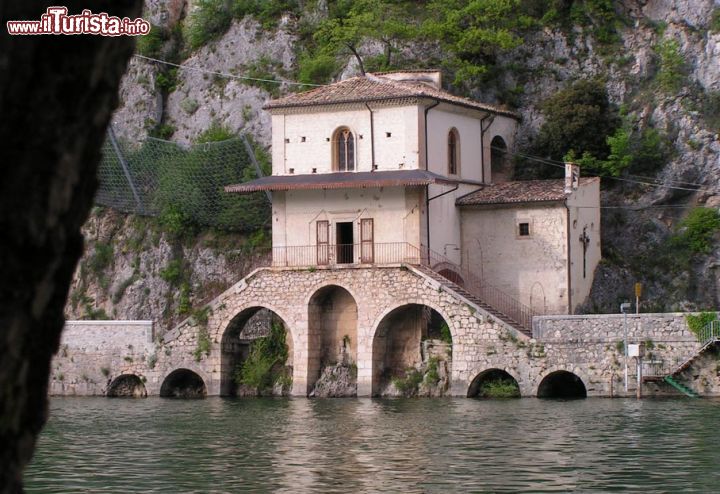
(549, 59)
(336, 381)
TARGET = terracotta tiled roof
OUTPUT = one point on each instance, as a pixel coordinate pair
(374, 88)
(518, 192)
(341, 180)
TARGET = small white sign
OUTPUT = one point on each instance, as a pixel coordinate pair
(634, 350)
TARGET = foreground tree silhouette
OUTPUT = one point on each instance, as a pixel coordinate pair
(57, 94)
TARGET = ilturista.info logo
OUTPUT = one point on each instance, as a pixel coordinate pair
(56, 20)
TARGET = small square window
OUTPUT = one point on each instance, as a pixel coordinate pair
(524, 229)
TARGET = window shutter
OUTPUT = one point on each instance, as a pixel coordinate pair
(323, 239)
(367, 245)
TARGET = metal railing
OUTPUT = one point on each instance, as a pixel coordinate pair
(709, 333)
(468, 280)
(344, 254)
(335, 255)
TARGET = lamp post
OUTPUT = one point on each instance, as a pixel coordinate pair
(624, 308)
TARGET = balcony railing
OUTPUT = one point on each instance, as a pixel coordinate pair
(344, 254)
(368, 253)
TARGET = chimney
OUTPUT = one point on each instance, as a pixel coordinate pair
(572, 177)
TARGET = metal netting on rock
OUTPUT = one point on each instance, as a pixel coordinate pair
(160, 177)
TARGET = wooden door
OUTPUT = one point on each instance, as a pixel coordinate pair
(367, 241)
(323, 241)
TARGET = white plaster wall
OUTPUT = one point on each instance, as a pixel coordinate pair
(395, 211)
(523, 267)
(584, 213)
(398, 150)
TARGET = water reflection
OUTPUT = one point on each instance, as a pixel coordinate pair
(362, 445)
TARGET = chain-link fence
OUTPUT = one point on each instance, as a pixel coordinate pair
(162, 178)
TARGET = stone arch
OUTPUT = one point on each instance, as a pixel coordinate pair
(399, 342)
(183, 383)
(561, 383)
(332, 330)
(493, 375)
(538, 301)
(127, 386)
(250, 323)
(500, 164)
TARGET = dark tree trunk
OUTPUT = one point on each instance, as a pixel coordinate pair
(57, 94)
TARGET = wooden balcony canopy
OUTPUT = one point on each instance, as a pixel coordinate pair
(342, 180)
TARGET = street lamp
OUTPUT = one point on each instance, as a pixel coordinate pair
(624, 308)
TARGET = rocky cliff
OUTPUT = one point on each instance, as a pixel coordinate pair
(655, 41)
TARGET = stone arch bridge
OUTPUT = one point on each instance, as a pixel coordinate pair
(372, 317)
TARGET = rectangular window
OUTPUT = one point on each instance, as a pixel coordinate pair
(524, 229)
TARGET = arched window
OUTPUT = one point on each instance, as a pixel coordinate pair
(453, 152)
(343, 150)
(500, 165)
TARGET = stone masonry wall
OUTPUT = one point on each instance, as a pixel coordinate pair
(584, 345)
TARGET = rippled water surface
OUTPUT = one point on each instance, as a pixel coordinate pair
(363, 445)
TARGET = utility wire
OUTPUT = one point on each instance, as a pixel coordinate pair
(223, 74)
(557, 164)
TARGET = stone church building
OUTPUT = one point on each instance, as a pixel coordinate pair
(389, 167)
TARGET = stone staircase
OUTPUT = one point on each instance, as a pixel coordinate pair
(475, 300)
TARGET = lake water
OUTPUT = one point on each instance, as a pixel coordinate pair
(364, 445)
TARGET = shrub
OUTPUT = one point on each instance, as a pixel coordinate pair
(408, 384)
(578, 119)
(698, 322)
(432, 376)
(101, 258)
(318, 69)
(260, 369)
(696, 231)
(203, 344)
(499, 388)
(671, 73)
(173, 272)
(216, 132)
(445, 334)
(208, 20)
(150, 45)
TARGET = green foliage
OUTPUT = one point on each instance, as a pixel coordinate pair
(104, 371)
(698, 322)
(409, 383)
(203, 344)
(499, 388)
(445, 334)
(620, 346)
(318, 69)
(672, 69)
(599, 16)
(162, 131)
(173, 272)
(264, 367)
(263, 69)
(350, 24)
(208, 20)
(101, 258)
(265, 11)
(710, 109)
(697, 230)
(166, 80)
(216, 132)
(474, 33)
(432, 376)
(150, 45)
(184, 302)
(714, 26)
(120, 291)
(578, 119)
(640, 152)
